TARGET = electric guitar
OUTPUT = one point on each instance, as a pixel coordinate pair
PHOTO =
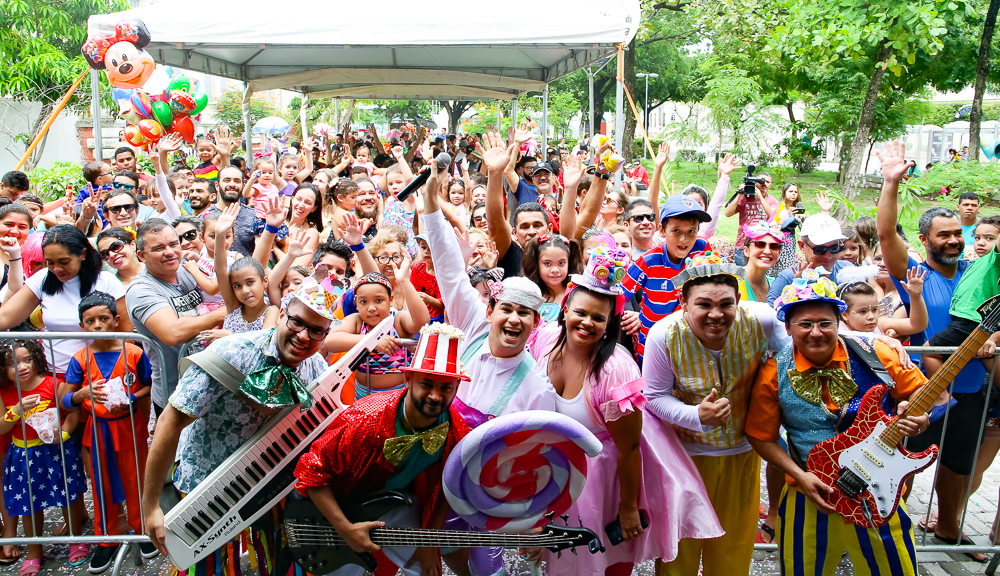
(867, 465)
(318, 549)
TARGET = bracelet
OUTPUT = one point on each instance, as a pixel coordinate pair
(67, 401)
(11, 416)
(603, 176)
(271, 229)
(357, 247)
(13, 259)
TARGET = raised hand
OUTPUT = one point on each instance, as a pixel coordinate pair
(397, 153)
(9, 245)
(728, 165)
(662, 154)
(276, 212)
(572, 171)
(297, 242)
(402, 272)
(467, 246)
(465, 164)
(222, 140)
(894, 162)
(497, 153)
(825, 204)
(353, 230)
(522, 134)
(914, 284)
(89, 208)
(489, 253)
(227, 219)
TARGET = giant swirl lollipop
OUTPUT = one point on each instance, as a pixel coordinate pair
(508, 473)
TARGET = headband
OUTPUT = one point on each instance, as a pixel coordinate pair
(374, 278)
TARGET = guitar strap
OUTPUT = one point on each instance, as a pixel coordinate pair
(866, 353)
(220, 370)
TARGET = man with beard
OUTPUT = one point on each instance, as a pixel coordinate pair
(163, 302)
(941, 234)
(231, 189)
(207, 420)
(366, 205)
(505, 379)
(202, 195)
(373, 446)
(700, 363)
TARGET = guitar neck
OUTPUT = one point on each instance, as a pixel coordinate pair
(458, 539)
(923, 400)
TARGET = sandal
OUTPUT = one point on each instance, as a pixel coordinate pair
(762, 512)
(966, 541)
(928, 524)
(7, 559)
(78, 554)
(31, 567)
(766, 530)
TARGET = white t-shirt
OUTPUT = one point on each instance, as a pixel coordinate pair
(61, 312)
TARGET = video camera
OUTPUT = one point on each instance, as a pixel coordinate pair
(750, 183)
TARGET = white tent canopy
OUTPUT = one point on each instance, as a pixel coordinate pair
(402, 50)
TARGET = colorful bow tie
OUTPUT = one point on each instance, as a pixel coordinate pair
(809, 386)
(396, 449)
(276, 386)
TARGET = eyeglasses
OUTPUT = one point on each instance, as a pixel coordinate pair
(120, 209)
(296, 325)
(189, 236)
(396, 259)
(822, 250)
(106, 174)
(760, 245)
(121, 186)
(114, 247)
(823, 325)
(640, 218)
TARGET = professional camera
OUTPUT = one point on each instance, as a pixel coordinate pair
(750, 183)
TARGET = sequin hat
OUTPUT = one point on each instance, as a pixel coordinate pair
(437, 352)
(811, 287)
(316, 298)
(707, 264)
(519, 290)
(604, 272)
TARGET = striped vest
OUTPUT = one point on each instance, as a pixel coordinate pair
(697, 372)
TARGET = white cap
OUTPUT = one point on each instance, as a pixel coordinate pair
(822, 229)
(520, 290)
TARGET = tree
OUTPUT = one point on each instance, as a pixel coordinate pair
(819, 34)
(40, 56)
(455, 110)
(982, 71)
(229, 109)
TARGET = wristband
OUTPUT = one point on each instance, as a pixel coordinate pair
(271, 229)
(14, 259)
(603, 176)
(67, 401)
(357, 247)
(131, 399)
(11, 416)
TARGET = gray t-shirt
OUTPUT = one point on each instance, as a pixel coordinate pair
(147, 295)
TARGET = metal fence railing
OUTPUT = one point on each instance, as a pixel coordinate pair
(131, 541)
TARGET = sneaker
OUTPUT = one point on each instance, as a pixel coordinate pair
(103, 558)
(148, 550)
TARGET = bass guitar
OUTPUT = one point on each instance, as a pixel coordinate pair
(318, 549)
(867, 465)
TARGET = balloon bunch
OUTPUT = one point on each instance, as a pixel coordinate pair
(151, 118)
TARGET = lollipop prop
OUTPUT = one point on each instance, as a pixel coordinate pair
(508, 473)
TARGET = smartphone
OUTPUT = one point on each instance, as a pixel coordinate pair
(614, 530)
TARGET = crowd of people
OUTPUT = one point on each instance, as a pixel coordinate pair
(531, 280)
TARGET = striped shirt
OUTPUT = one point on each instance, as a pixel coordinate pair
(653, 273)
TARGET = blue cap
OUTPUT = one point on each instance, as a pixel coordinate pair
(681, 205)
(421, 237)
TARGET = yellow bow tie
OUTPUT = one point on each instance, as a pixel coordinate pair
(809, 386)
(396, 449)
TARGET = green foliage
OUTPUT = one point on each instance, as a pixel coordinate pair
(638, 146)
(941, 113)
(804, 156)
(50, 183)
(983, 178)
(562, 107)
(229, 109)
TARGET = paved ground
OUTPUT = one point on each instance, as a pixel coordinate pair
(982, 510)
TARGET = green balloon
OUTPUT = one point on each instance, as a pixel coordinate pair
(200, 101)
(162, 113)
(179, 83)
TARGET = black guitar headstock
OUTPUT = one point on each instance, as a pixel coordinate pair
(990, 312)
(571, 537)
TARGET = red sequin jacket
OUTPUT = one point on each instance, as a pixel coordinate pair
(348, 456)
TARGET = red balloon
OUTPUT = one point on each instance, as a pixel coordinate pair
(150, 129)
(184, 126)
(134, 136)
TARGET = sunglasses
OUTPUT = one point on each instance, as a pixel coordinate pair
(760, 245)
(120, 209)
(640, 218)
(114, 247)
(120, 186)
(478, 218)
(189, 236)
(822, 250)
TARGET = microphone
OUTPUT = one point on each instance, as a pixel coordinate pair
(800, 207)
(443, 161)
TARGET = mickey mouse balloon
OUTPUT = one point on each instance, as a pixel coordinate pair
(122, 54)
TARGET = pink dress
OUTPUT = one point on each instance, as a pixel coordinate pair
(672, 494)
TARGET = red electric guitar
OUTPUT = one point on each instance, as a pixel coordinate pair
(866, 465)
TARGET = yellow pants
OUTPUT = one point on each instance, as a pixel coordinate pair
(733, 485)
(811, 542)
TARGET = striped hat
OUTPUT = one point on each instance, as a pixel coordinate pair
(437, 352)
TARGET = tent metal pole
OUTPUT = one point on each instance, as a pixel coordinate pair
(590, 81)
(303, 108)
(545, 123)
(248, 135)
(95, 102)
(514, 105)
(499, 118)
(619, 113)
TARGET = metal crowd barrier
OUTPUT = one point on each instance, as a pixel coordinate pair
(110, 510)
(131, 541)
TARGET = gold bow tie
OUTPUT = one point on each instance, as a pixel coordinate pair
(396, 449)
(809, 386)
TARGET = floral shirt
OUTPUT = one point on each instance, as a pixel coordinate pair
(224, 422)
